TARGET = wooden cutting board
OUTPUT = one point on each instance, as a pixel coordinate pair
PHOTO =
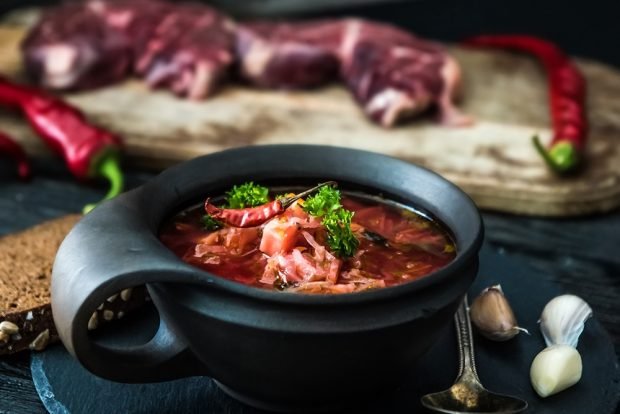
(494, 160)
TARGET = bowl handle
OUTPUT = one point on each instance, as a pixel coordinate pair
(91, 266)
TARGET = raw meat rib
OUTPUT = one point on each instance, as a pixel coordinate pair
(185, 47)
(90, 44)
(391, 73)
(134, 20)
(70, 48)
(395, 75)
(289, 55)
(189, 52)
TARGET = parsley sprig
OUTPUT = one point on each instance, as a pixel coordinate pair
(240, 196)
(336, 219)
(326, 200)
(339, 235)
(209, 223)
(247, 195)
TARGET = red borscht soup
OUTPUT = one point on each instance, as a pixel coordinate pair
(353, 243)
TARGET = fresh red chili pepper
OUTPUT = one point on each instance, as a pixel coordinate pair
(567, 91)
(255, 216)
(88, 151)
(11, 148)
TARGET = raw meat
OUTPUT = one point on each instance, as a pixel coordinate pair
(133, 20)
(70, 48)
(395, 75)
(90, 44)
(392, 74)
(189, 48)
(189, 52)
(185, 47)
(289, 55)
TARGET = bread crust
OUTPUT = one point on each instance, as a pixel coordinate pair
(26, 260)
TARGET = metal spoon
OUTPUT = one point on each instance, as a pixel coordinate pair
(467, 395)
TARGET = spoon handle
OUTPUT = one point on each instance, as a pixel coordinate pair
(467, 362)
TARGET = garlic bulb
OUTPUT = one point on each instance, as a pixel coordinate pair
(559, 366)
(554, 369)
(563, 319)
(490, 312)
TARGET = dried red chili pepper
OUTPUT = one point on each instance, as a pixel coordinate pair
(255, 216)
(9, 147)
(245, 217)
(567, 91)
(89, 151)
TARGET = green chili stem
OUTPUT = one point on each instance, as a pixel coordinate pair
(108, 168)
(542, 151)
(562, 157)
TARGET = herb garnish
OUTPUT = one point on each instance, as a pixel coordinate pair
(324, 204)
(240, 196)
(326, 200)
(339, 235)
(247, 195)
(209, 223)
(336, 219)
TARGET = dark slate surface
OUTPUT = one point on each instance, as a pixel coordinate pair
(580, 255)
(503, 367)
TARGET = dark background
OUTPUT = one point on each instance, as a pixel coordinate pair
(588, 28)
(579, 254)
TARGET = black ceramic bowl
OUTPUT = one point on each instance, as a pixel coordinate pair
(275, 350)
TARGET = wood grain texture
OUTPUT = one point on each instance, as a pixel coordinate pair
(494, 160)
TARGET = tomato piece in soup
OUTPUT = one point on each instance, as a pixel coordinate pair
(279, 235)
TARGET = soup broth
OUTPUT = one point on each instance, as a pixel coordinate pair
(291, 251)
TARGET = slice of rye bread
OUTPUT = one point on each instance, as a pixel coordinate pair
(26, 260)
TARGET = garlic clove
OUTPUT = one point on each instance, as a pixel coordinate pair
(563, 319)
(555, 369)
(491, 313)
